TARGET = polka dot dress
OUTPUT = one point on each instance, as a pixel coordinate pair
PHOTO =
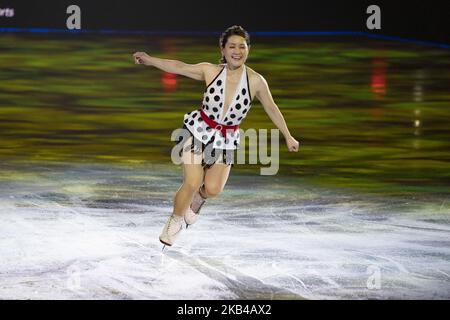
(213, 106)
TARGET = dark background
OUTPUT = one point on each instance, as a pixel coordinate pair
(421, 20)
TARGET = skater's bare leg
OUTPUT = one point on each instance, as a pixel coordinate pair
(215, 179)
(193, 175)
(192, 180)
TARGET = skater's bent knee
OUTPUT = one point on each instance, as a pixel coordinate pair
(212, 190)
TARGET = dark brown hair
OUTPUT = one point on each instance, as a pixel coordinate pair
(233, 31)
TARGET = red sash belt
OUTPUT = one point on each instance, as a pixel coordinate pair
(220, 127)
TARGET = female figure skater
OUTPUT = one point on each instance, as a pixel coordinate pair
(212, 131)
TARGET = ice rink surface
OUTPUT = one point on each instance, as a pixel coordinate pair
(91, 232)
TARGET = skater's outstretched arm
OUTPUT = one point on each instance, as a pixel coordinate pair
(193, 71)
(265, 97)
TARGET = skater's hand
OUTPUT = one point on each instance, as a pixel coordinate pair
(141, 58)
(292, 144)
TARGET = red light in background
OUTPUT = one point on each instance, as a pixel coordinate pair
(378, 80)
(169, 81)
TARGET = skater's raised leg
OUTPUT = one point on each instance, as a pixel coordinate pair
(191, 215)
(215, 179)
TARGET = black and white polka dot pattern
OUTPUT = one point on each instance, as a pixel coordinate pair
(213, 106)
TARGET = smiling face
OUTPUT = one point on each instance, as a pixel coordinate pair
(235, 51)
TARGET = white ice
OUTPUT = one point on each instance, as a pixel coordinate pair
(91, 232)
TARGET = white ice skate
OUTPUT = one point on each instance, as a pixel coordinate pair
(192, 213)
(171, 230)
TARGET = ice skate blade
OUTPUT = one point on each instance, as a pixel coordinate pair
(165, 244)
